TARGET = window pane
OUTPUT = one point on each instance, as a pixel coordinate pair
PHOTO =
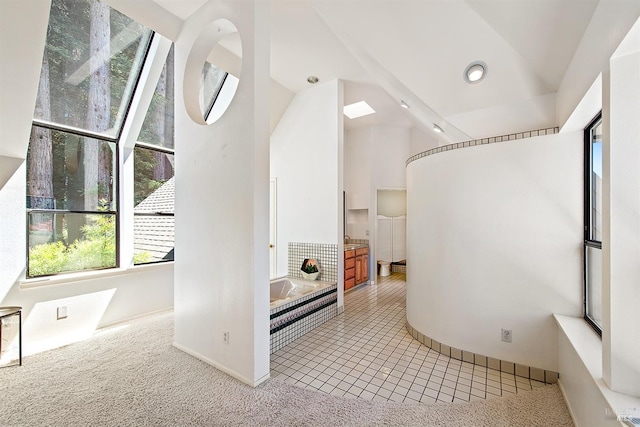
(153, 175)
(212, 79)
(596, 183)
(157, 128)
(153, 235)
(90, 64)
(153, 238)
(594, 284)
(70, 172)
(70, 242)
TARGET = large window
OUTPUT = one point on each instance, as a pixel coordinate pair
(593, 223)
(90, 67)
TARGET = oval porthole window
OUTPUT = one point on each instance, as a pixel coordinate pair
(212, 72)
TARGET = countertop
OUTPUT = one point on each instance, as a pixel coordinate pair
(352, 246)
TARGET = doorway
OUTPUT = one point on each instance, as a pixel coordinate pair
(273, 221)
(391, 226)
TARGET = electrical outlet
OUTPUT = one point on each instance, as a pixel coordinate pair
(226, 338)
(506, 335)
(61, 312)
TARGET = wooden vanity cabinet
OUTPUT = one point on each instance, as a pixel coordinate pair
(356, 267)
(349, 269)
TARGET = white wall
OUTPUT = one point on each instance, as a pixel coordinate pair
(495, 241)
(279, 102)
(621, 220)
(421, 141)
(357, 168)
(93, 300)
(21, 45)
(390, 147)
(222, 200)
(375, 158)
(24, 45)
(580, 358)
(613, 18)
(306, 160)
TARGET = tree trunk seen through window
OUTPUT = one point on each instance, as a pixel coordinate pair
(97, 177)
(160, 123)
(40, 185)
(92, 177)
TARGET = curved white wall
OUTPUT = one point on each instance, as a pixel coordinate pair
(494, 240)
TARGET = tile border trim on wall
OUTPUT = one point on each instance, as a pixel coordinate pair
(536, 374)
(493, 139)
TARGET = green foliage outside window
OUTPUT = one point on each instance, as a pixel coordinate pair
(96, 250)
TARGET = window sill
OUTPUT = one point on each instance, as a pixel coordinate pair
(588, 347)
(90, 275)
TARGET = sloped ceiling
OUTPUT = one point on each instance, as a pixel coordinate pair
(417, 50)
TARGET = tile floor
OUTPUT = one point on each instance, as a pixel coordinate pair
(367, 353)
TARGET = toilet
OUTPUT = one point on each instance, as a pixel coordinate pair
(384, 268)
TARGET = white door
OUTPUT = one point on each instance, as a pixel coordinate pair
(399, 237)
(273, 266)
(384, 235)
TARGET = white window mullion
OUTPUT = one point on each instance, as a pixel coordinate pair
(149, 76)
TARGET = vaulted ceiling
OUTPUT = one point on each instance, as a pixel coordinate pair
(416, 50)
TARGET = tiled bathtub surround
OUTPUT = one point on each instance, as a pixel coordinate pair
(295, 318)
(537, 374)
(325, 254)
(494, 139)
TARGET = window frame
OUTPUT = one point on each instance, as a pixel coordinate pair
(83, 133)
(588, 241)
(155, 214)
(115, 139)
(214, 98)
(155, 146)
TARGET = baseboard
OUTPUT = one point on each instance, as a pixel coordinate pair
(566, 402)
(136, 317)
(224, 369)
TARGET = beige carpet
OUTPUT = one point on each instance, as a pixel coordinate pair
(132, 376)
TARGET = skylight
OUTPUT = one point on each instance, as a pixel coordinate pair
(358, 109)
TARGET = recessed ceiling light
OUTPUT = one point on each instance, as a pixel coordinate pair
(475, 72)
(358, 109)
(437, 128)
(312, 79)
(404, 104)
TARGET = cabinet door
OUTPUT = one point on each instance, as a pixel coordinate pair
(348, 284)
(350, 273)
(358, 270)
(365, 267)
(349, 263)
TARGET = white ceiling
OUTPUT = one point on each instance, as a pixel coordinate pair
(416, 50)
